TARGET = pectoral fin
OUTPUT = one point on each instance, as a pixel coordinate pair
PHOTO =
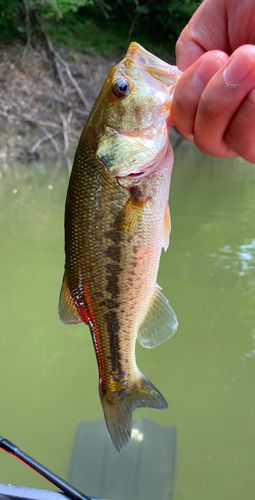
(129, 217)
(66, 309)
(159, 324)
(167, 228)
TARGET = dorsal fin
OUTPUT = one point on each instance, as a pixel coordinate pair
(66, 309)
(160, 322)
(167, 228)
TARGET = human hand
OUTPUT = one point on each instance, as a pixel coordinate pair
(214, 101)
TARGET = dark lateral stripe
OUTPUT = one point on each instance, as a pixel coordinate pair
(114, 253)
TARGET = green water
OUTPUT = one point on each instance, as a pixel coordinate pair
(48, 372)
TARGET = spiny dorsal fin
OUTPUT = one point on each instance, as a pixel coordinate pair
(129, 217)
(66, 309)
(167, 228)
(159, 324)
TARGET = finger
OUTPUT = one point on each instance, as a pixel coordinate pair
(221, 99)
(240, 133)
(207, 30)
(190, 88)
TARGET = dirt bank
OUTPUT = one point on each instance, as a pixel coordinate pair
(38, 118)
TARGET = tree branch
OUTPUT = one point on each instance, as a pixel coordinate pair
(65, 132)
(51, 138)
(58, 61)
(28, 31)
(41, 141)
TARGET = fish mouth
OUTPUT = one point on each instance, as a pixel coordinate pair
(131, 178)
(139, 174)
(135, 174)
(145, 61)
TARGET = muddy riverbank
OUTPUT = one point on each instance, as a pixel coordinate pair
(38, 116)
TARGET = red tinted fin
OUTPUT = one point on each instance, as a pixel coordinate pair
(118, 409)
(67, 310)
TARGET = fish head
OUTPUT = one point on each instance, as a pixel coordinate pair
(132, 116)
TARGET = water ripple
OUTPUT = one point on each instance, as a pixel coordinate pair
(240, 259)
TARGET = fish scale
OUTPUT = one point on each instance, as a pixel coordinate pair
(115, 226)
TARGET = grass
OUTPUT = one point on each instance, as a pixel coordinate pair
(85, 35)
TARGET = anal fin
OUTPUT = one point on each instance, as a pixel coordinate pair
(67, 310)
(159, 324)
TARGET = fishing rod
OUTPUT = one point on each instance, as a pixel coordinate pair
(69, 490)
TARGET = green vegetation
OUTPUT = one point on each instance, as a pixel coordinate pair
(85, 34)
(10, 23)
(106, 26)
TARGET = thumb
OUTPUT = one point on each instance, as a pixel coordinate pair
(206, 30)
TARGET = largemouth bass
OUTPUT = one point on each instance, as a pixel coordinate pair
(116, 222)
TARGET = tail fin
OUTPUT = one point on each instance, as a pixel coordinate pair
(118, 409)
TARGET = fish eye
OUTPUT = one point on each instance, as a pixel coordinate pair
(121, 87)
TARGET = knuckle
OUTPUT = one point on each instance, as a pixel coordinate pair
(181, 113)
(233, 137)
(180, 101)
(200, 146)
(248, 154)
(241, 131)
(249, 102)
(212, 145)
(241, 146)
(208, 106)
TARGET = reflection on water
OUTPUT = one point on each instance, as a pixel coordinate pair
(251, 353)
(145, 471)
(48, 371)
(240, 259)
(137, 435)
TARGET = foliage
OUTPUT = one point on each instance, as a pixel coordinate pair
(10, 24)
(58, 8)
(158, 21)
(105, 25)
(86, 35)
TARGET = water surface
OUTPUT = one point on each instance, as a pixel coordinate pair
(48, 371)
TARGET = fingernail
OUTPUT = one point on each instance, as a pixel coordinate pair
(209, 66)
(239, 68)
